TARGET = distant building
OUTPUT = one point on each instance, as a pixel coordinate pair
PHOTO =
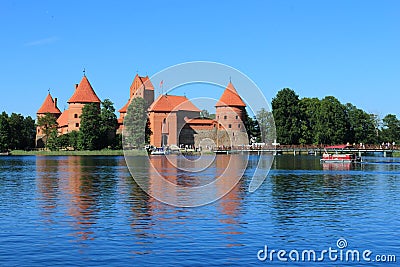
(69, 120)
(49, 106)
(140, 87)
(168, 115)
(84, 94)
(174, 120)
(230, 115)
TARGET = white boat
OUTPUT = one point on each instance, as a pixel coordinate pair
(159, 151)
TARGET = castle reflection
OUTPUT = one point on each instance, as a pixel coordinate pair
(83, 189)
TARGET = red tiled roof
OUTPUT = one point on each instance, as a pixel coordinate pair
(200, 121)
(168, 103)
(140, 81)
(84, 93)
(124, 109)
(230, 97)
(48, 106)
(63, 119)
(147, 83)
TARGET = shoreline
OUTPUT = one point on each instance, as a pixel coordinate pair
(72, 153)
(100, 153)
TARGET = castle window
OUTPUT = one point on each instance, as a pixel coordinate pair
(225, 117)
(75, 116)
(238, 125)
(77, 125)
(229, 125)
(237, 117)
(164, 121)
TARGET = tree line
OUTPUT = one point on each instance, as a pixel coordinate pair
(16, 132)
(328, 121)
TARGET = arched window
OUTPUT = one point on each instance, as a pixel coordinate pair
(225, 117)
(75, 115)
(229, 125)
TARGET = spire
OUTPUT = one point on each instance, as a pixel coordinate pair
(84, 93)
(230, 97)
(49, 106)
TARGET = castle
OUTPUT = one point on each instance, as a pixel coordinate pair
(174, 120)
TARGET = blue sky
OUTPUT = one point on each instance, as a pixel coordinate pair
(349, 49)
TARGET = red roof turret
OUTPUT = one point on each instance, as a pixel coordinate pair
(230, 97)
(49, 106)
(84, 93)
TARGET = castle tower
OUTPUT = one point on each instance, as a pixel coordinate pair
(84, 94)
(140, 87)
(49, 106)
(230, 115)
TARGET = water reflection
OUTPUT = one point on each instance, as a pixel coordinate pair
(80, 186)
(47, 184)
(94, 202)
(337, 166)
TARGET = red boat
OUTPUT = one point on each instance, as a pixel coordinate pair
(339, 158)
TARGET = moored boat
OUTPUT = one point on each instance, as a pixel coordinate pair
(339, 158)
(159, 151)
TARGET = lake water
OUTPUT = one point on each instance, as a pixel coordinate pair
(88, 211)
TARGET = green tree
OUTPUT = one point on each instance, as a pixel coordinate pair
(108, 123)
(135, 123)
(117, 142)
(332, 122)
(309, 108)
(52, 142)
(63, 141)
(73, 139)
(286, 111)
(28, 133)
(90, 128)
(362, 127)
(16, 122)
(48, 125)
(4, 132)
(266, 123)
(252, 127)
(391, 129)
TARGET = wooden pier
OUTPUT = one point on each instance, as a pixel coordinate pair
(308, 150)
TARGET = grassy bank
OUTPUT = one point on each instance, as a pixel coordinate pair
(396, 154)
(77, 153)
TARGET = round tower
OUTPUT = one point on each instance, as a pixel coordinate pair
(230, 115)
